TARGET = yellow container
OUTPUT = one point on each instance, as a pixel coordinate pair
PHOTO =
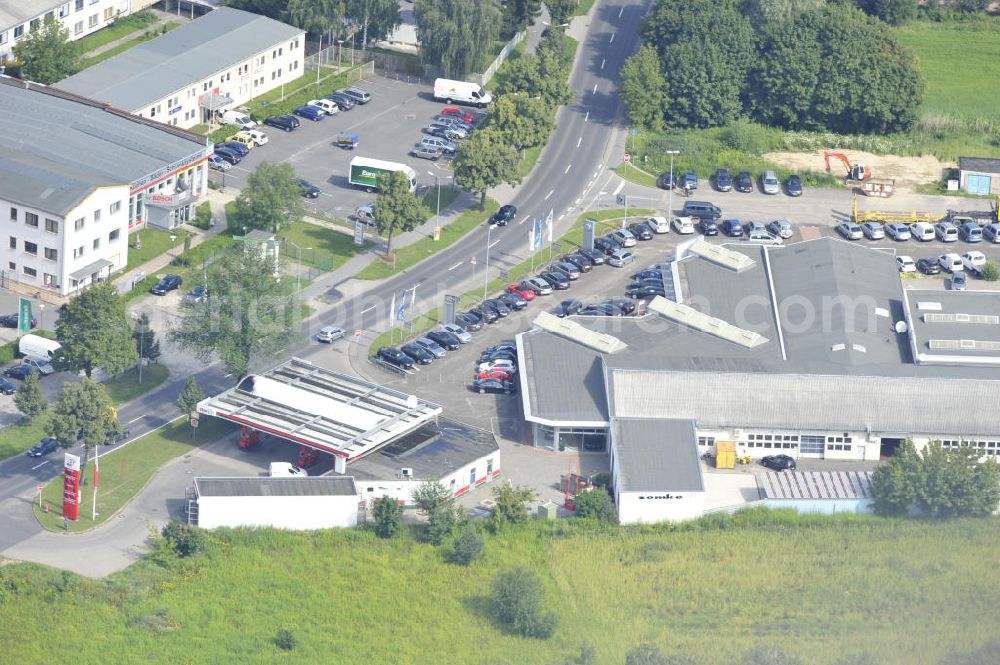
(725, 454)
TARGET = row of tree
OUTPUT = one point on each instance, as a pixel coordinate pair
(806, 66)
(330, 19)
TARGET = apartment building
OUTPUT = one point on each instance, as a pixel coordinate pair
(216, 62)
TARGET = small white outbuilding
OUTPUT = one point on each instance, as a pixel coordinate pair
(284, 503)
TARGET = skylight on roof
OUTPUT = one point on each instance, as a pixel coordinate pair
(692, 318)
(720, 255)
(582, 335)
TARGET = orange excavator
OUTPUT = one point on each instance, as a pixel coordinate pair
(861, 176)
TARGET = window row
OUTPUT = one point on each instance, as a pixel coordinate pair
(771, 444)
(53, 254)
(52, 225)
(772, 437)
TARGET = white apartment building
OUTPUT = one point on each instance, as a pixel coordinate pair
(216, 62)
(18, 18)
(76, 176)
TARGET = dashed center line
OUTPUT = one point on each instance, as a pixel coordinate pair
(579, 141)
(551, 192)
(595, 89)
(568, 167)
(620, 11)
(612, 40)
(495, 241)
(365, 311)
(586, 117)
(603, 60)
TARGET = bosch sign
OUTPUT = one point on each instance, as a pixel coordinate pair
(660, 496)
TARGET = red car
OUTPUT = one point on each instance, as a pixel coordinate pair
(527, 294)
(459, 113)
(495, 373)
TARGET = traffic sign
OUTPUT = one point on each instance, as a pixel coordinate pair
(194, 422)
(472, 260)
(39, 487)
(357, 333)
(627, 158)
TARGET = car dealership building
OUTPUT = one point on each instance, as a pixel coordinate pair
(812, 349)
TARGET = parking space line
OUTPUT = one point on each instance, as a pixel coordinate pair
(365, 311)
(620, 11)
(586, 117)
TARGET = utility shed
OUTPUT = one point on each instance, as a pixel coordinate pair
(979, 175)
(825, 492)
(283, 503)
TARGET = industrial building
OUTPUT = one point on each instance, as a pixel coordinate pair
(184, 77)
(386, 441)
(19, 18)
(811, 349)
(979, 175)
(76, 177)
(826, 492)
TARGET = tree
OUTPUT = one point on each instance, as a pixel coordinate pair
(468, 545)
(485, 161)
(894, 12)
(595, 503)
(510, 505)
(275, 9)
(249, 316)
(83, 412)
(647, 654)
(519, 75)
(184, 539)
(990, 272)
(396, 207)
(643, 89)
(435, 502)
(554, 64)
(377, 18)
(188, 400)
(521, 121)
(938, 482)
(29, 398)
(518, 14)
(317, 17)
(388, 516)
(47, 53)
(271, 199)
(560, 11)
(146, 344)
(518, 598)
(457, 35)
(96, 332)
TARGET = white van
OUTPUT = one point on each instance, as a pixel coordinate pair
(39, 348)
(658, 224)
(922, 231)
(285, 470)
(461, 92)
(241, 120)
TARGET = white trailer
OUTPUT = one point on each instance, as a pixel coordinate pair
(321, 502)
(461, 92)
(366, 171)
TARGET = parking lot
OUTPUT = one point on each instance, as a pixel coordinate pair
(387, 128)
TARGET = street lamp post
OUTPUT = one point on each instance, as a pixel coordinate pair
(437, 186)
(670, 195)
(340, 48)
(298, 271)
(486, 270)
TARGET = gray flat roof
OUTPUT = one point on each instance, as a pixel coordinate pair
(432, 451)
(308, 404)
(813, 402)
(955, 327)
(657, 455)
(981, 164)
(15, 12)
(55, 147)
(562, 380)
(318, 486)
(815, 484)
(153, 70)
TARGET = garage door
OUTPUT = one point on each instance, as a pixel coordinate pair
(977, 184)
(811, 446)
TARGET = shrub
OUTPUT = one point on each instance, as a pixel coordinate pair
(990, 272)
(595, 503)
(468, 545)
(511, 505)
(518, 599)
(285, 639)
(185, 540)
(388, 516)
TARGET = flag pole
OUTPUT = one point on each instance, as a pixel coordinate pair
(97, 457)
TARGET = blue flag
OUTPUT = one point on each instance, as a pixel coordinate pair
(401, 312)
(539, 226)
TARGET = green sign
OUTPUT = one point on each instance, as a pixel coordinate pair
(24, 316)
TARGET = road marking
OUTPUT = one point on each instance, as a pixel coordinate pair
(619, 188)
(135, 419)
(603, 60)
(495, 242)
(590, 183)
(620, 11)
(612, 40)
(526, 218)
(577, 202)
(561, 217)
(595, 92)
(586, 117)
(38, 466)
(579, 141)
(365, 311)
(552, 191)
(568, 167)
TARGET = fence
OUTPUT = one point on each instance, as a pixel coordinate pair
(486, 76)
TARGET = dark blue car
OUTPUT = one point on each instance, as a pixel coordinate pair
(310, 112)
(43, 447)
(19, 372)
(732, 228)
(7, 388)
(233, 146)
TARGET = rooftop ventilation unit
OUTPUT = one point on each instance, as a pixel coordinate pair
(929, 306)
(692, 318)
(574, 331)
(963, 345)
(722, 256)
(986, 319)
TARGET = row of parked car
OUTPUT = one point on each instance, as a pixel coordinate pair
(967, 230)
(425, 350)
(496, 368)
(722, 181)
(448, 127)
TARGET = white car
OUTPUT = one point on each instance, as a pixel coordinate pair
(769, 183)
(906, 264)
(328, 334)
(328, 107)
(458, 331)
(623, 237)
(951, 262)
(259, 137)
(508, 366)
(658, 224)
(683, 225)
(974, 261)
(286, 470)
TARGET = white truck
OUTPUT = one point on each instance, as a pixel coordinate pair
(461, 92)
(974, 261)
(241, 120)
(366, 171)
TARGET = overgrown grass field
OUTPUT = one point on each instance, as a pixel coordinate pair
(907, 593)
(960, 61)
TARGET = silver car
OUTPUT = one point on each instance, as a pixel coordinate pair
(430, 346)
(898, 231)
(754, 227)
(781, 228)
(850, 231)
(458, 331)
(769, 183)
(763, 238)
(539, 286)
(329, 334)
(873, 230)
(620, 258)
